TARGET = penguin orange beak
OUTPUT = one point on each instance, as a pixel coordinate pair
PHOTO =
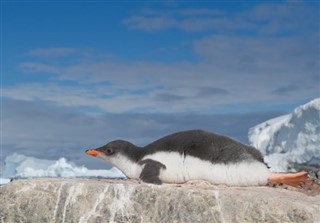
(93, 152)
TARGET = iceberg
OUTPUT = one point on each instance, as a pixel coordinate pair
(292, 141)
(21, 166)
(4, 181)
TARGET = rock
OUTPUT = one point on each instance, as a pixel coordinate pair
(89, 200)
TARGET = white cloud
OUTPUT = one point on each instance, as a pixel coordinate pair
(150, 23)
(58, 52)
(39, 67)
(245, 70)
(266, 18)
(200, 12)
(230, 69)
(97, 98)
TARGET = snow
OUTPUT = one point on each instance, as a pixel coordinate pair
(292, 140)
(4, 181)
(21, 166)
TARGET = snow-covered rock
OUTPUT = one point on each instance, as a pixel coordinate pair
(291, 140)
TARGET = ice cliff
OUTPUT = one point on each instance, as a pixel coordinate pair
(290, 141)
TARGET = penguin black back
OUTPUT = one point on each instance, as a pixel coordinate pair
(206, 146)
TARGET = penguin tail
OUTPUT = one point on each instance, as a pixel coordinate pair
(291, 179)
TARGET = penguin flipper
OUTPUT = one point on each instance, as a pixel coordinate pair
(151, 170)
(292, 179)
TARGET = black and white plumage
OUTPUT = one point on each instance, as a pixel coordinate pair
(185, 156)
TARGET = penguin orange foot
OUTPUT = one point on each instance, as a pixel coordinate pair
(291, 179)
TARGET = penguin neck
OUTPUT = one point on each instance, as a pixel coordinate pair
(128, 161)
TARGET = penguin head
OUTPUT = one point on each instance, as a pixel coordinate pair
(111, 150)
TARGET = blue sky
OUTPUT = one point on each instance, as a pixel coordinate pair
(78, 74)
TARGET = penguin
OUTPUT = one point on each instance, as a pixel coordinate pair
(193, 155)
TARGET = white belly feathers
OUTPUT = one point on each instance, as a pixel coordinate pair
(180, 169)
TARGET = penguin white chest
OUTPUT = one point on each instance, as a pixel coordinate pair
(179, 169)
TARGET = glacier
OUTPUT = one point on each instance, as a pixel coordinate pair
(290, 142)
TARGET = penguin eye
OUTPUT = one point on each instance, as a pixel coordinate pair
(109, 151)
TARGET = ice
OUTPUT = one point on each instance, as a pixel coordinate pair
(4, 181)
(292, 140)
(21, 166)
